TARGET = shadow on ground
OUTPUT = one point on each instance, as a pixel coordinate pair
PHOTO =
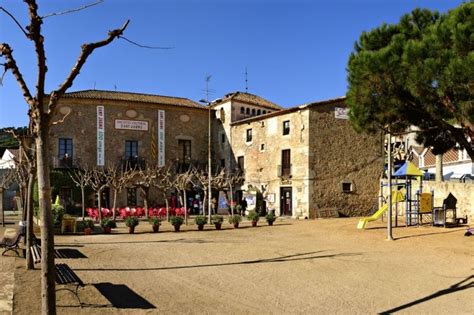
(467, 283)
(281, 259)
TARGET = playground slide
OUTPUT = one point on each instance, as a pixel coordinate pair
(397, 196)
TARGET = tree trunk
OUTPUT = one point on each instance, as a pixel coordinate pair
(231, 200)
(48, 292)
(1, 206)
(145, 202)
(439, 168)
(29, 219)
(25, 202)
(99, 204)
(83, 199)
(185, 207)
(167, 207)
(114, 211)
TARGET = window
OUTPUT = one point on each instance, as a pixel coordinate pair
(223, 138)
(240, 162)
(242, 110)
(264, 112)
(286, 162)
(286, 127)
(222, 163)
(253, 112)
(131, 149)
(249, 135)
(258, 112)
(247, 111)
(262, 147)
(131, 196)
(65, 148)
(347, 186)
(184, 149)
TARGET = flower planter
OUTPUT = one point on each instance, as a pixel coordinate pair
(107, 230)
(131, 229)
(270, 222)
(200, 227)
(156, 228)
(254, 223)
(87, 231)
(177, 227)
(218, 226)
(236, 225)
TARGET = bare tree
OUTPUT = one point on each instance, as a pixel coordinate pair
(99, 181)
(227, 180)
(81, 177)
(182, 183)
(118, 178)
(145, 179)
(164, 181)
(41, 111)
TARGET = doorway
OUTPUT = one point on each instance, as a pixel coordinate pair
(286, 201)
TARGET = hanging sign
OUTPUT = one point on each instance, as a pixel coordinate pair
(161, 138)
(141, 125)
(100, 136)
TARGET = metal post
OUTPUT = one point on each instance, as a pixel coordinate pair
(389, 176)
(209, 203)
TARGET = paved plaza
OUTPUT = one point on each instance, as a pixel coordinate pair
(311, 267)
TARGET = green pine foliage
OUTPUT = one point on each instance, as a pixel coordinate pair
(7, 140)
(420, 73)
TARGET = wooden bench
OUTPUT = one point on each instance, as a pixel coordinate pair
(327, 213)
(12, 243)
(64, 275)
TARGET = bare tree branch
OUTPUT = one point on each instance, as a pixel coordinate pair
(143, 46)
(87, 49)
(7, 53)
(60, 121)
(72, 10)
(15, 20)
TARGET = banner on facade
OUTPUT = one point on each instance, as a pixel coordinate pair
(341, 113)
(140, 125)
(161, 138)
(100, 136)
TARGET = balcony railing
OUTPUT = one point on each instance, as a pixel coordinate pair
(65, 162)
(137, 163)
(284, 171)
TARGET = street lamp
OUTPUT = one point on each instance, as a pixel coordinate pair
(209, 170)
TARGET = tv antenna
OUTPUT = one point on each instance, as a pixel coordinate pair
(208, 90)
(246, 81)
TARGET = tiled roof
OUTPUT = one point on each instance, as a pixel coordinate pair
(247, 98)
(133, 97)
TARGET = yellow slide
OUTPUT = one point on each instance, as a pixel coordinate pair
(397, 196)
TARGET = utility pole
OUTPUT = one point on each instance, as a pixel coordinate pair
(389, 176)
(209, 168)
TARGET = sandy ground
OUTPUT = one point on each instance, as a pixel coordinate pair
(311, 267)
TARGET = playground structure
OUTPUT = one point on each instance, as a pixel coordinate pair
(416, 205)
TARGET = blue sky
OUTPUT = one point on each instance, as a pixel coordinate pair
(294, 51)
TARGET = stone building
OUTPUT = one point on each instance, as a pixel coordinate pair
(301, 159)
(100, 127)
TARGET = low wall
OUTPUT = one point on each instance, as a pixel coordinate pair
(464, 193)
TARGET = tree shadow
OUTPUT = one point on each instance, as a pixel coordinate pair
(121, 296)
(281, 259)
(461, 285)
(426, 234)
(180, 240)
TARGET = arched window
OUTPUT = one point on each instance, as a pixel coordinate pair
(264, 112)
(247, 111)
(253, 111)
(242, 110)
(258, 112)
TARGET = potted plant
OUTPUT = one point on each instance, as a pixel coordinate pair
(217, 220)
(155, 223)
(270, 217)
(131, 222)
(108, 224)
(254, 217)
(235, 220)
(176, 221)
(88, 226)
(200, 220)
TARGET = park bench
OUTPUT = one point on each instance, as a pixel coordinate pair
(12, 243)
(327, 213)
(64, 274)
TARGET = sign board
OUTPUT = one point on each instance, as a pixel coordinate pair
(341, 113)
(140, 125)
(100, 136)
(161, 138)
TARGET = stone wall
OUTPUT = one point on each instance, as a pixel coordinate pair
(337, 155)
